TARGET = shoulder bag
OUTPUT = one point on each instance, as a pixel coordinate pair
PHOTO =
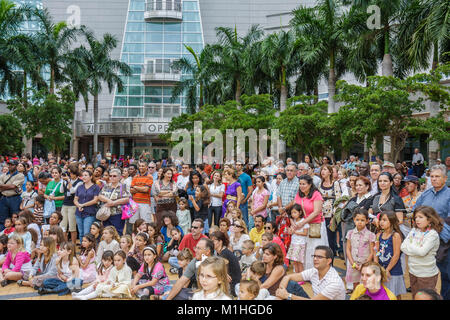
(314, 228)
(104, 212)
(49, 205)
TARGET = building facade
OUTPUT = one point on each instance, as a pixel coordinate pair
(151, 35)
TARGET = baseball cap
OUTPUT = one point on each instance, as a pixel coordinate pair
(410, 179)
(388, 164)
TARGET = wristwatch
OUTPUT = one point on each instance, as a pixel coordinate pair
(289, 296)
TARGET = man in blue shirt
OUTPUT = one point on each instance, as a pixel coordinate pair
(438, 198)
(247, 189)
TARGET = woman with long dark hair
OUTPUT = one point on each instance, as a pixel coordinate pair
(165, 191)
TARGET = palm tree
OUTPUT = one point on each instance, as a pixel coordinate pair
(193, 85)
(280, 57)
(54, 41)
(323, 27)
(426, 33)
(95, 66)
(11, 18)
(232, 52)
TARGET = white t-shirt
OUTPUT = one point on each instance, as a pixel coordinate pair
(297, 239)
(182, 181)
(213, 189)
(29, 197)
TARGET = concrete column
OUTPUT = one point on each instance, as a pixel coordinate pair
(105, 145)
(387, 148)
(28, 145)
(75, 148)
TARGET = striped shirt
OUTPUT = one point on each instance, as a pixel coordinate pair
(141, 181)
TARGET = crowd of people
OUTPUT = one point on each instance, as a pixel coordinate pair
(231, 231)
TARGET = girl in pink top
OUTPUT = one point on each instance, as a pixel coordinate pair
(17, 263)
(102, 276)
(311, 200)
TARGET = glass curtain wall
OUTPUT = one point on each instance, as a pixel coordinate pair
(153, 38)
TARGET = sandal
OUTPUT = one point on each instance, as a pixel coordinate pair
(19, 283)
(155, 297)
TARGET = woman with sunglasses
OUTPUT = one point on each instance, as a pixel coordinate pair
(238, 236)
(114, 195)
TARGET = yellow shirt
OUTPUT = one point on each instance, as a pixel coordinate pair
(255, 236)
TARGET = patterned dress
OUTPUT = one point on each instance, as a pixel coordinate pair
(360, 243)
(158, 273)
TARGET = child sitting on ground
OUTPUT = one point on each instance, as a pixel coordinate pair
(248, 257)
(9, 227)
(248, 290)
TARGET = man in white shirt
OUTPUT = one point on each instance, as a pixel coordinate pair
(375, 170)
(417, 163)
(325, 280)
(183, 179)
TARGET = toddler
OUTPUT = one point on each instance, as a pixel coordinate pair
(248, 257)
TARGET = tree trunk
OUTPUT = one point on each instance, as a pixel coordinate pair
(283, 97)
(25, 90)
(200, 102)
(316, 93)
(331, 85)
(95, 124)
(386, 64)
(52, 81)
(238, 91)
(435, 56)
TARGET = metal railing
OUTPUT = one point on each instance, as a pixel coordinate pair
(169, 5)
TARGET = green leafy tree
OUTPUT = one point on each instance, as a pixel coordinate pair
(11, 134)
(255, 112)
(386, 107)
(307, 127)
(47, 114)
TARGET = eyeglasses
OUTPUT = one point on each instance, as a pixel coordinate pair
(267, 227)
(195, 227)
(152, 167)
(317, 257)
(237, 225)
(207, 277)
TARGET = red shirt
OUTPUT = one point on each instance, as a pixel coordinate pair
(278, 241)
(189, 242)
(9, 230)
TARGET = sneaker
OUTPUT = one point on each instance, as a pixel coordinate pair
(75, 297)
(144, 297)
(4, 283)
(19, 283)
(173, 270)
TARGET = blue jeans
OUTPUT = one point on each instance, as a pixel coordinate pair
(8, 206)
(84, 225)
(296, 289)
(244, 210)
(117, 222)
(54, 285)
(444, 268)
(173, 261)
(217, 212)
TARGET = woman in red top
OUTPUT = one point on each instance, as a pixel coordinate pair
(311, 201)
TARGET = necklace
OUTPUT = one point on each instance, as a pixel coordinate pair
(422, 236)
